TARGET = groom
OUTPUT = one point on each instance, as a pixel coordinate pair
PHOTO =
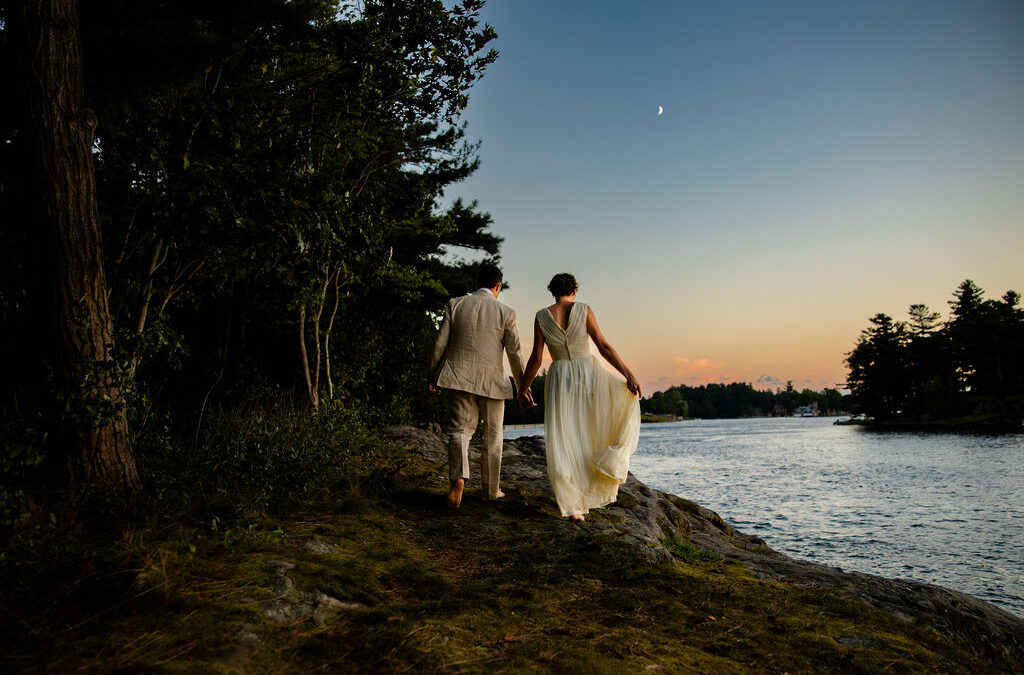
(467, 360)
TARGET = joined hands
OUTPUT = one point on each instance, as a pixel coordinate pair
(525, 399)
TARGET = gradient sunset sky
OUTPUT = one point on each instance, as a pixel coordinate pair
(816, 163)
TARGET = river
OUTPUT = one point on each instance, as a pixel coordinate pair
(946, 509)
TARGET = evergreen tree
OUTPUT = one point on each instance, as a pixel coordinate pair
(270, 186)
(878, 368)
(925, 370)
(85, 417)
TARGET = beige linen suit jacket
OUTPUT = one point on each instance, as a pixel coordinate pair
(467, 356)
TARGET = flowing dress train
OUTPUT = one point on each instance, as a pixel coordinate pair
(591, 419)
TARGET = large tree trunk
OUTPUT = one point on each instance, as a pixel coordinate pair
(56, 133)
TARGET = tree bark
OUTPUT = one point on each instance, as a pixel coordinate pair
(327, 337)
(316, 331)
(314, 397)
(147, 288)
(56, 135)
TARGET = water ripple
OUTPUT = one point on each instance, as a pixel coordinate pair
(944, 509)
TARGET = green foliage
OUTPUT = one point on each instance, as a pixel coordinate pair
(21, 456)
(689, 553)
(668, 402)
(264, 171)
(516, 415)
(267, 452)
(878, 368)
(737, 399)
(972, 364)
(294, 160)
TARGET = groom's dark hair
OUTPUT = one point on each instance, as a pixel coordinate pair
(489, 276)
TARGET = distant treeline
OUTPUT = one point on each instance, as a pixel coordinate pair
(738, 399)
(925, 369)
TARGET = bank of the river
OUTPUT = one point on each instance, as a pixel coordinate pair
(988, 423)
(653, 583)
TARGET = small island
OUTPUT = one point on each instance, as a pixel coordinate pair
(964, 374)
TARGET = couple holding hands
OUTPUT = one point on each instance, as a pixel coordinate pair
(591, 417)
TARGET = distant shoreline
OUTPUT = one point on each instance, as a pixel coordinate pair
(984, 424)
(650, 418)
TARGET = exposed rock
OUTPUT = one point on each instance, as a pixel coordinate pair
(318, 546)
(247, 638)
(862, 642)
(327, 608)
(644, 518)
(246, 643)
(293, 605)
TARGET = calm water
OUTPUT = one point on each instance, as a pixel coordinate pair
(945, 509)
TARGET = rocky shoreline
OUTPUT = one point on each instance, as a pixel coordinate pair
(644, 519)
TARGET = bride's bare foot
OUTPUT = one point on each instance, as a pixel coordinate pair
(455, 494)
(576, 518)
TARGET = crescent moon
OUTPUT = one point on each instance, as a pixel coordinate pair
(660, 110)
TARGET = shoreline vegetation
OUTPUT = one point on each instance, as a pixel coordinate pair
(984, 423)
(736, 400)
(965, 373)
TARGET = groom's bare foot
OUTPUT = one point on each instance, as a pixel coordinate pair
(455, 494)
(576, 518)
(499, 495)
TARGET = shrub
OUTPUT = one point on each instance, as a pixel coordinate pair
(267, 451)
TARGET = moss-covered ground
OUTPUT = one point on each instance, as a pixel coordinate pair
(493, 587)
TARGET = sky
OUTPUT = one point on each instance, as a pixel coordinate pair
(815, 163)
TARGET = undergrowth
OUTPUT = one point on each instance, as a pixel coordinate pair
(241, 469)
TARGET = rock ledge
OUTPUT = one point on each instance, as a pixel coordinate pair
(645, 519)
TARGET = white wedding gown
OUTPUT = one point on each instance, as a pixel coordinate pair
(591, 419)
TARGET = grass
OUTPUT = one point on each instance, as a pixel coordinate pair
(494, 587)
(687, 552)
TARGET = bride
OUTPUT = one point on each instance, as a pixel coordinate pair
(591, 417)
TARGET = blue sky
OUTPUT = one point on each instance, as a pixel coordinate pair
(816, 163)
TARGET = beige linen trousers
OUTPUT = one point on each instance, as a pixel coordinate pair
(468, 360)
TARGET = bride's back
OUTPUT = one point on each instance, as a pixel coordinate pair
(560, 313)
(565, 330)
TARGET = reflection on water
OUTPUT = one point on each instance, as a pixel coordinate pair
(945, 509)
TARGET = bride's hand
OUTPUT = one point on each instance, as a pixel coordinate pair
(633, 384)
(525, 399)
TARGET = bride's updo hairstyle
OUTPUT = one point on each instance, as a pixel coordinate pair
(563, 284)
